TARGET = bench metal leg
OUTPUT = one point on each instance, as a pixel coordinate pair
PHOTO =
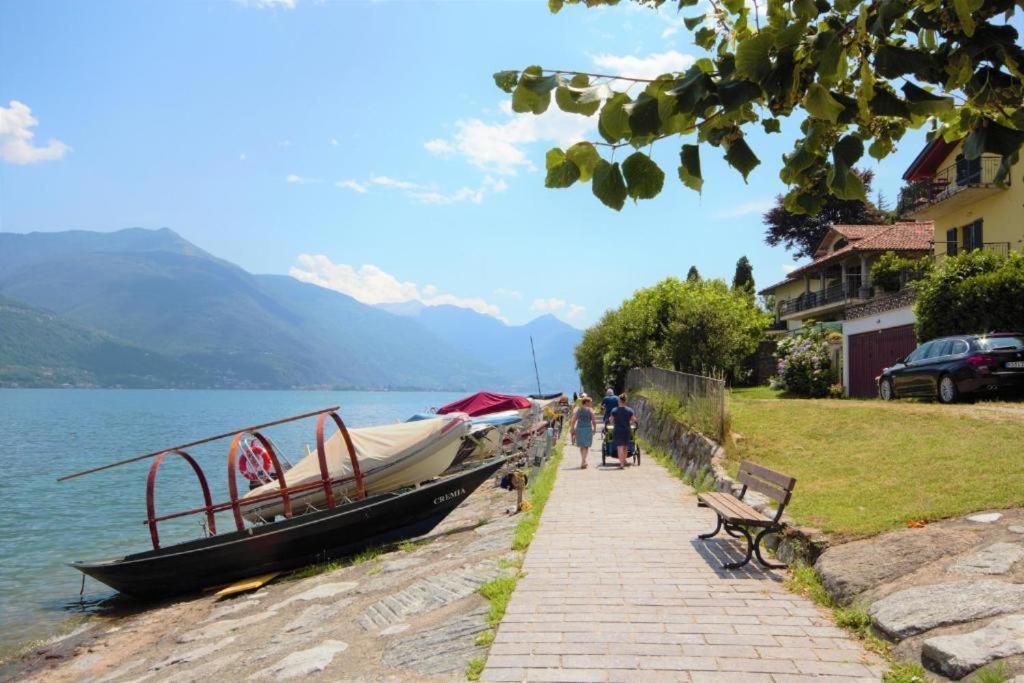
(733, 533)
(718, 527)
(750, 549)
(757, 551)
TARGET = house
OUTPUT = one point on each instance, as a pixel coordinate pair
(840, 274)
(962, 199)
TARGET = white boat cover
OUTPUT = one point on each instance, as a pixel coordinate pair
(390, 456)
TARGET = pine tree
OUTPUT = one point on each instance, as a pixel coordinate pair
(693, 275)
(743, 279)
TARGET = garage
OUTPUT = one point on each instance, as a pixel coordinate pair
(870, 352)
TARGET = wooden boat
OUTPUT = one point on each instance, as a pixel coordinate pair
(340, 530)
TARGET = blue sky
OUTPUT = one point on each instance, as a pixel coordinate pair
(363, 145)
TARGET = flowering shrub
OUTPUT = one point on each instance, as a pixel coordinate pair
(804, 367)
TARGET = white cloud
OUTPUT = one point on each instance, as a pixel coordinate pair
(371, 285)
(788, 268)
(269, 4)
(300, 180)
(548, 305)
(16, 145)
(745, 209)
(334, 142)
(461, 195)
(509, 293)
(500, 146)
(650, 66)
(352, 185)
(385, 181)
(575, 311)
(242, 157)
(439, 146)
(670, 31)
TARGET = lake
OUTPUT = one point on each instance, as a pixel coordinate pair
(47, 433)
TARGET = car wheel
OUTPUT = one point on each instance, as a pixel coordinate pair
(885, 390)
(948, 393)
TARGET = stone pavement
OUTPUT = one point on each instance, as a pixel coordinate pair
(618, 588)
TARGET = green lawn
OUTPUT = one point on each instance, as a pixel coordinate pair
(865, 466)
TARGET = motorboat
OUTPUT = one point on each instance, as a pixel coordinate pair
(486, 403)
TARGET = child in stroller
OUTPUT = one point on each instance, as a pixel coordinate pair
(608, 448)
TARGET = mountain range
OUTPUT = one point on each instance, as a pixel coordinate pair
(148, 308)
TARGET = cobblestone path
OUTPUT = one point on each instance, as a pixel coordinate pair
(618, 588)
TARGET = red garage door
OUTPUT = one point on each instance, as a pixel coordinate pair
(870, 352)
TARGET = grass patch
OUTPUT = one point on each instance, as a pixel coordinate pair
(499, 591)
(409, 546)
(905, 673)
(475, 667)
(703, 480)
(991, 674)
(368, 555)
(864, 466)
(697, 412)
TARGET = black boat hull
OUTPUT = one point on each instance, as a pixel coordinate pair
(290, 543)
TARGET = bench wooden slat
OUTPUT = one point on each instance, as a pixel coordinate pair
(781, 480)
(768, 489)
(734, 510)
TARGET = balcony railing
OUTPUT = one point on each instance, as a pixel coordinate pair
(954, 248)
(951, 180)
(830, 295)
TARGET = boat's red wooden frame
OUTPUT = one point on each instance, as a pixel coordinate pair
(284, 491)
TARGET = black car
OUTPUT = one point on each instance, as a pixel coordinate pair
(949, 367)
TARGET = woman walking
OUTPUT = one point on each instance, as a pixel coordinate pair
(583, 425)
(622, 419)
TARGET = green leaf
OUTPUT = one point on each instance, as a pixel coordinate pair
(693, 22)
(643, 115)
(892, 61)
(691, 89)
(585, 156)
(820, 104)
(644, 179)
(753, 56)
(790, 35)
(539, 83)
(880, 148)
(888, 12)
(608, 185)
(705, 37)
(963, 13)
(741, 157)
(846, 153)
(506, 80)
(923, 102)
(829, 53)
(689, 168)
(526, 99)
(561, 171)
(805, 9)
(734, 94)
(613, 123)
(847, 185)
(733, 6)
(885, 103)
(574, 99)
(992, 138)
(771, 125)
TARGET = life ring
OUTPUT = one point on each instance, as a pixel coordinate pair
(254, 453)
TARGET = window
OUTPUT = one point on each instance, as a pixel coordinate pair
(920, 352)
(951, 242)
(968, 172)
(937, 349)
(960, 347)
(973, 237)
(1001, 343)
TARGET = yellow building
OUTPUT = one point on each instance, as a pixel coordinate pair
(969, 210)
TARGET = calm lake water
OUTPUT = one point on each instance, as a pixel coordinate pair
(46, 433)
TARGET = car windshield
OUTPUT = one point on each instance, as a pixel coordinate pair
(1001, 343)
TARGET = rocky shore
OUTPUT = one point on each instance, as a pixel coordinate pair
(411, 614)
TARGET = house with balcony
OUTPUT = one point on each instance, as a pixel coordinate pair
(970, 211)
(840, 274)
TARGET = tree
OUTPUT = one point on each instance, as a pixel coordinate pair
(693, 275)
(691, 326)
(743, 278)
(862, 72)
(801, 233)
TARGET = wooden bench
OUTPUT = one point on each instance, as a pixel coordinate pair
(737, 517)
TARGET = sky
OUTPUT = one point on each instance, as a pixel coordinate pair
(364, 146)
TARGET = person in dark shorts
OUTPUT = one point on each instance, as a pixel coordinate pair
(622, 419)
(609, 403)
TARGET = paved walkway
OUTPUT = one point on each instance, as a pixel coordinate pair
(617, 588)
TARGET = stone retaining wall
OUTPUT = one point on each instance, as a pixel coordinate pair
(696, 455)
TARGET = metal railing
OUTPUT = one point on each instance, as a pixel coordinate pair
(701, 398)
(830, 295)
(1000, 248)
(950, 180)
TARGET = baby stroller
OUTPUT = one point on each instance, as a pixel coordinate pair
(608, 449)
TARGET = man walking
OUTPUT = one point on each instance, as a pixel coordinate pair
(622, 418)
(609, 403)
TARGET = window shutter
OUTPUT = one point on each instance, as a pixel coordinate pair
(951, 242)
